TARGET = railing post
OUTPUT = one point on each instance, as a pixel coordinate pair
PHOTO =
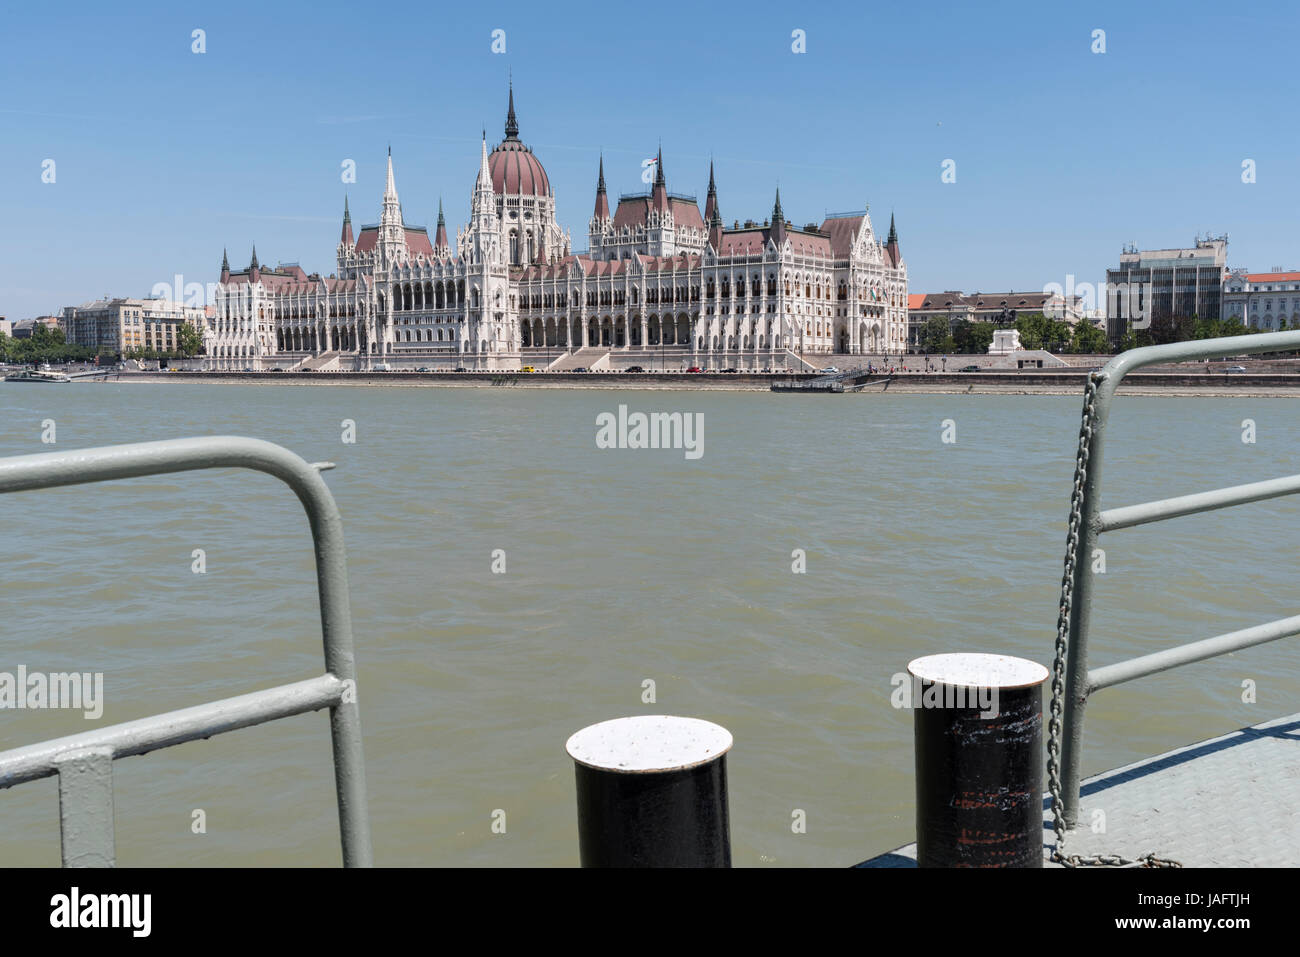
(86, 807)
(1076, 662)
(979, 760)
(652, 792)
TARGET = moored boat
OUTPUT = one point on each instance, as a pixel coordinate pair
(38, 375)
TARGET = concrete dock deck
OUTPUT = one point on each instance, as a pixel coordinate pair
(1230, 801)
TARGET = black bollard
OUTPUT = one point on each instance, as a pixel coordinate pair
(652, 792)
(979, 760)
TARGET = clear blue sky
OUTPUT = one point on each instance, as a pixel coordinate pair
(164, 156)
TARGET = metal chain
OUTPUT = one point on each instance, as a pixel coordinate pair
(1057, 707)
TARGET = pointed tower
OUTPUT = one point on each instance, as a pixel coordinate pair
(711, 201)
(659, 195)
(891, 244)
(440, 237)
(712, 214)
(225, 266)
(392, 235)
(512, 124)
(599, 226)
(483, 232)
(345, 239)
(601, 213)
(778, 220)
(254, 270)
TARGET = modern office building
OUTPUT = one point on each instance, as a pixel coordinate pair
(1154, 284)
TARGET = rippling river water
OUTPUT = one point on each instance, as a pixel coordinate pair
(621, 566)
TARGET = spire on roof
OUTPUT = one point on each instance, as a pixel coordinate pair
(254, 265)
(893, 233)
(225, 262)
(484, 171)
(512, 124)
(711, 201)
(777, 215)
(390, 188)
(659, 167)
(440, 235)
(602, 200)
(346, 236)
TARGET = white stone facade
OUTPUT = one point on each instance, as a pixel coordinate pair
(659, 277)
(1265, 300)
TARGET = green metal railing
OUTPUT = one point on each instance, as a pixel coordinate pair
(84, 762)
(1089, 522)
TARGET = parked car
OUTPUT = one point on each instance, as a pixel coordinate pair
(422, 369)
(581, 369)
(527, 369)
(460, 369)
(277, 369)
(693, 369)
(1234, 370)
(731, 370)
(969, 369)
(635, 369)
(830, 369)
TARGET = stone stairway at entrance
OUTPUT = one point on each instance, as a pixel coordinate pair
(794, 361)
(588, 357)
(316, 363)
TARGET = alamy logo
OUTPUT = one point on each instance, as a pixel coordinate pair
(74, 690)
(911, 692)
(75, 909)
(651, 430)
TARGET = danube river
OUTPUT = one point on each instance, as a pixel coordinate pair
(622, 566)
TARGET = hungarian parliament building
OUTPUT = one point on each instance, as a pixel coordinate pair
(661, 285)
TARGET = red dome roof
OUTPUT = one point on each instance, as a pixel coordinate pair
(515, 169)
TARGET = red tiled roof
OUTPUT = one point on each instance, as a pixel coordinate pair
(368, 238)
(740, 242)
(915, 300)
(1253, 277)
(417, 240)
(752, 241)
(842, 230)
(633, 211)
(686, 213)
(808, 245)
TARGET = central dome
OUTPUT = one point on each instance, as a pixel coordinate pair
(515, 169)
(513, 166)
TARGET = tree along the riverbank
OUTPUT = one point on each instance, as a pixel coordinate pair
(964, 337)
(1166, 329)
(51, 345)
(44, 345)
(941, 336)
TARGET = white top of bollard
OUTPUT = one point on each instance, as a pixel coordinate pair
(648, 743)
(978, 670)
